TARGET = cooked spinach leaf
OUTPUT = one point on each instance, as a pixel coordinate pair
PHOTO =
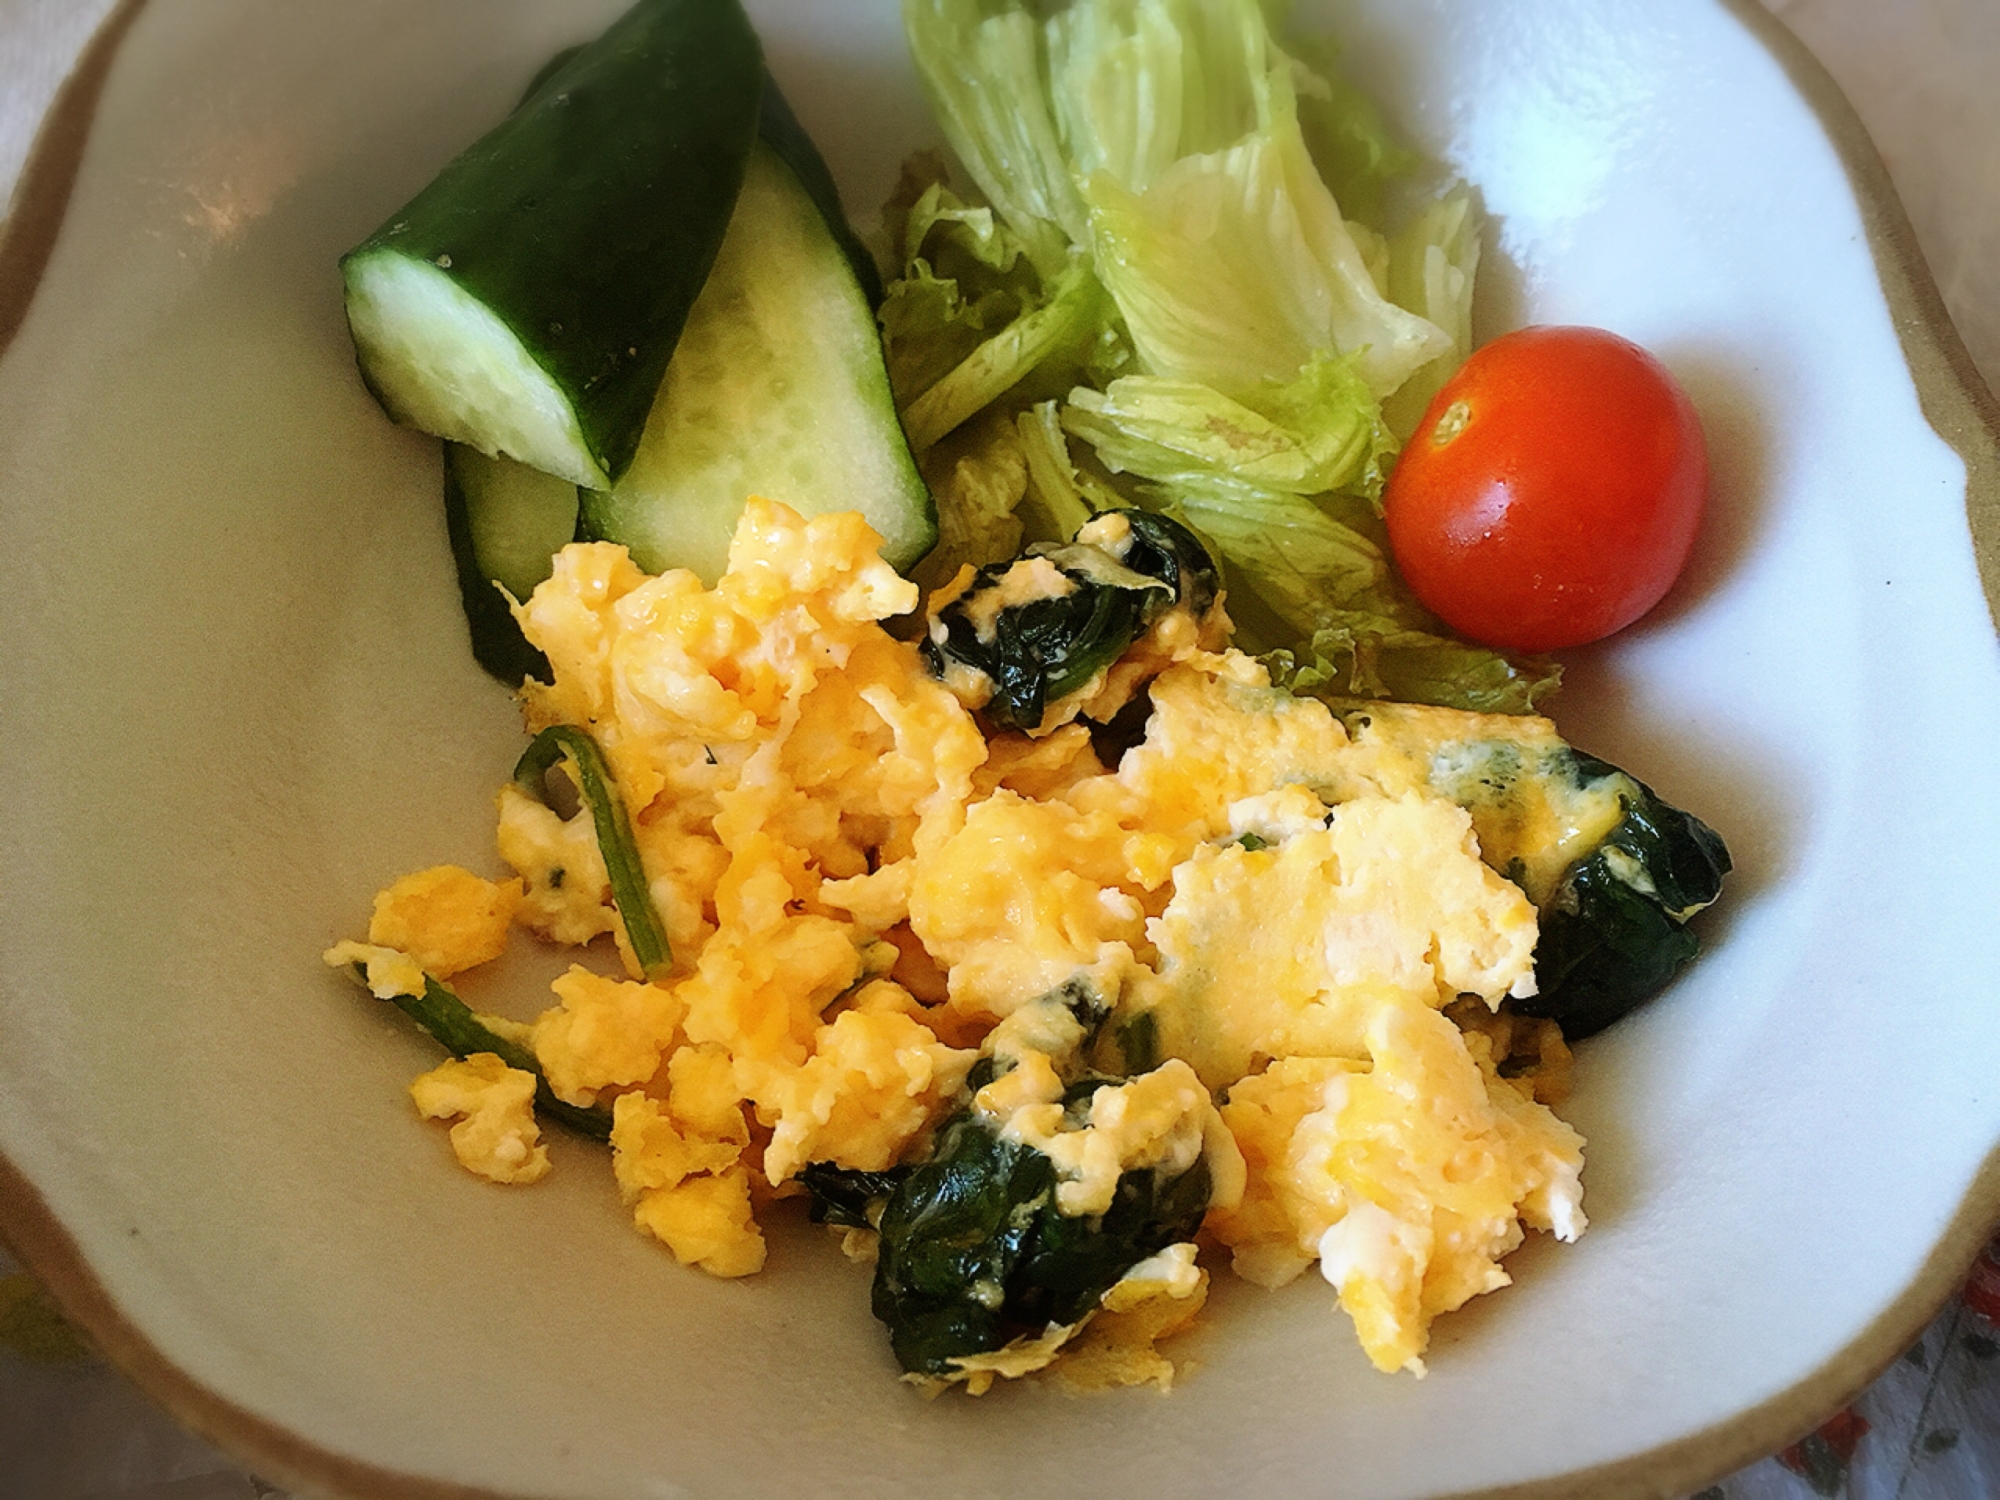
(1039, 633)
(1162, 548)
(847, 1195)
(974, 1253)
(1614, 933)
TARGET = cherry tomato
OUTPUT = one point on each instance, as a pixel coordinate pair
(1551, 494)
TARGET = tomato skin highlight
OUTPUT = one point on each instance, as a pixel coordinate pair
(1552, 492)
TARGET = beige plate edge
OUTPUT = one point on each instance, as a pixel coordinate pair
(1956, 402)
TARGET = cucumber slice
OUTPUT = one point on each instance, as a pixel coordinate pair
(507, 522)
(528, 301)
(777, 389)
(780, 129)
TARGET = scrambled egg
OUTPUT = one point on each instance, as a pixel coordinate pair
(863, 892)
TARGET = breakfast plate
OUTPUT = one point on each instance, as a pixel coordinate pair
(237, 700)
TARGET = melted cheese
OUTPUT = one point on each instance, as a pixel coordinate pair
(1533, 814)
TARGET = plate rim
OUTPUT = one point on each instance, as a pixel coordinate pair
(1955, 401)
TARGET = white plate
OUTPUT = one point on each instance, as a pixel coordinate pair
(236, 700)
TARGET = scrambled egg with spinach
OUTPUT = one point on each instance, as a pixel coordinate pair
(1031, 1016)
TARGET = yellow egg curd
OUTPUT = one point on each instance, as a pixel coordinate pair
(865, 892)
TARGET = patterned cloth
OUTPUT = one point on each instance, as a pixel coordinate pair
(1920, 74)
(71, 1428)
(1929, 1429)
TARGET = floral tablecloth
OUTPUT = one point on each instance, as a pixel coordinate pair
(1920, 73)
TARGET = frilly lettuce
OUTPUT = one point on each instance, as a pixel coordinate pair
(1060, 332)
(964, 278)
(1229, 259)
(972, 318)
(979, 478)
(983, 66)
(1319, 432)
(1160, 269)
(1361, 655)
(1312, 586)
(1058, 499)
(1358, 157)
(1431, 264)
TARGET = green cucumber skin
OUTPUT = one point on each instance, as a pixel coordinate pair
(519, 517)
(497, 642)
(587, 220)
(778, 389)
(780, 129)
(547, 71)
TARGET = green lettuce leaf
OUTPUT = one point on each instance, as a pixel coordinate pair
(977, 477)
(1056, 502)
(1295, 563)
(1054, 341)
(1358, 654)
(966, 277)
(1358, 156)
(1320, 432)
(1310, 585)
(1211, 227)
(985, 69)
(1432, 262)
(1165, 138)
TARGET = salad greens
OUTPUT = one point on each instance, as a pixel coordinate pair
(1160, 266)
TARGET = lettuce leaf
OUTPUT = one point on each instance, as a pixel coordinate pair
(984, 67)
(1055, 339)
(1209, 223)
(1165, 138)
(966, 277)
(1432, 262)
(1358, 157)
(1057, 501)
(1185, 222)
(977, 478)
(1322, 431)
(1310, 585)
(1296, 563)
(1358, 654)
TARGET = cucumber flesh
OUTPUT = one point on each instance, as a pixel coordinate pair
(777, 388)
(518, 517)
(780, 129)
(528, 300)
(507, 522)
(442, 362)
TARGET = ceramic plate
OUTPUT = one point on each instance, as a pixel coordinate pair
(238, 700)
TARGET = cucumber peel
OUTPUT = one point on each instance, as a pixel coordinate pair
(778, 388)
(528, 301)
(506, 523)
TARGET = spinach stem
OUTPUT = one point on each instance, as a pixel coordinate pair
(629, 891)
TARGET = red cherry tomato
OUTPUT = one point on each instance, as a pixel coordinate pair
(1551, 494)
